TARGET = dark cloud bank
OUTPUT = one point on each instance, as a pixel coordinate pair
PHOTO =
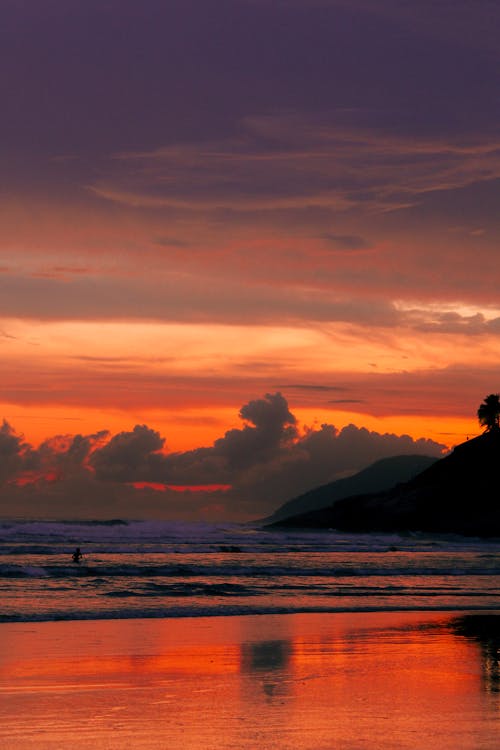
(262, 464)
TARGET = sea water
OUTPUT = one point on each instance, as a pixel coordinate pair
(138, 569)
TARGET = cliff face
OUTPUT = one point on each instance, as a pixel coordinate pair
(457, 494)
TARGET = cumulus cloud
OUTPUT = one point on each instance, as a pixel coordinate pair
(272, 426)
(131, 457)
(252, 469)
(68, 452)
(322, 455)
(15, 455)
(270, 431)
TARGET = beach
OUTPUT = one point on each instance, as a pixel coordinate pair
(209, 638)
(339, 680)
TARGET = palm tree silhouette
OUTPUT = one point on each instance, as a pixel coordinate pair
(488, 413)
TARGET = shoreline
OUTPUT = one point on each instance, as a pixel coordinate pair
(197, 614)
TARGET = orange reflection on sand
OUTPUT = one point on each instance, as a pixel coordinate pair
(400, 680)
(372, 680)
(201, 660)
(419, 664)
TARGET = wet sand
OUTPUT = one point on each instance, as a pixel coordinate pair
(328, 682)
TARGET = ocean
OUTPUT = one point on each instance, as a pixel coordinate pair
(153, 569)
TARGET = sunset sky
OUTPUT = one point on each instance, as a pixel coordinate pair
(284, 207)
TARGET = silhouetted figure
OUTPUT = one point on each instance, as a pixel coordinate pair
(77, 555)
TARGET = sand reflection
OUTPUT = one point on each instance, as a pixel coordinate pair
(399, 680)
(269, 663)
(265, 656)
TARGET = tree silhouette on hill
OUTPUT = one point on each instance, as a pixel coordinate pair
(488, 413)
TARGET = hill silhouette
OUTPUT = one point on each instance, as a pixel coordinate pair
(456, 494)
(381, 475)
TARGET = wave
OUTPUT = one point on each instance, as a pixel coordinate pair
(120, 570)
(119, 535)
(134, 569)
(186, 590)
(111, 529)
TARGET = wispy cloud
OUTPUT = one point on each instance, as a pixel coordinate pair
(346, 241)
(288, 162)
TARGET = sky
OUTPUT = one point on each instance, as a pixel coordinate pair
(236, 237)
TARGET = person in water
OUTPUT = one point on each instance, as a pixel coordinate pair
(77, 555)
